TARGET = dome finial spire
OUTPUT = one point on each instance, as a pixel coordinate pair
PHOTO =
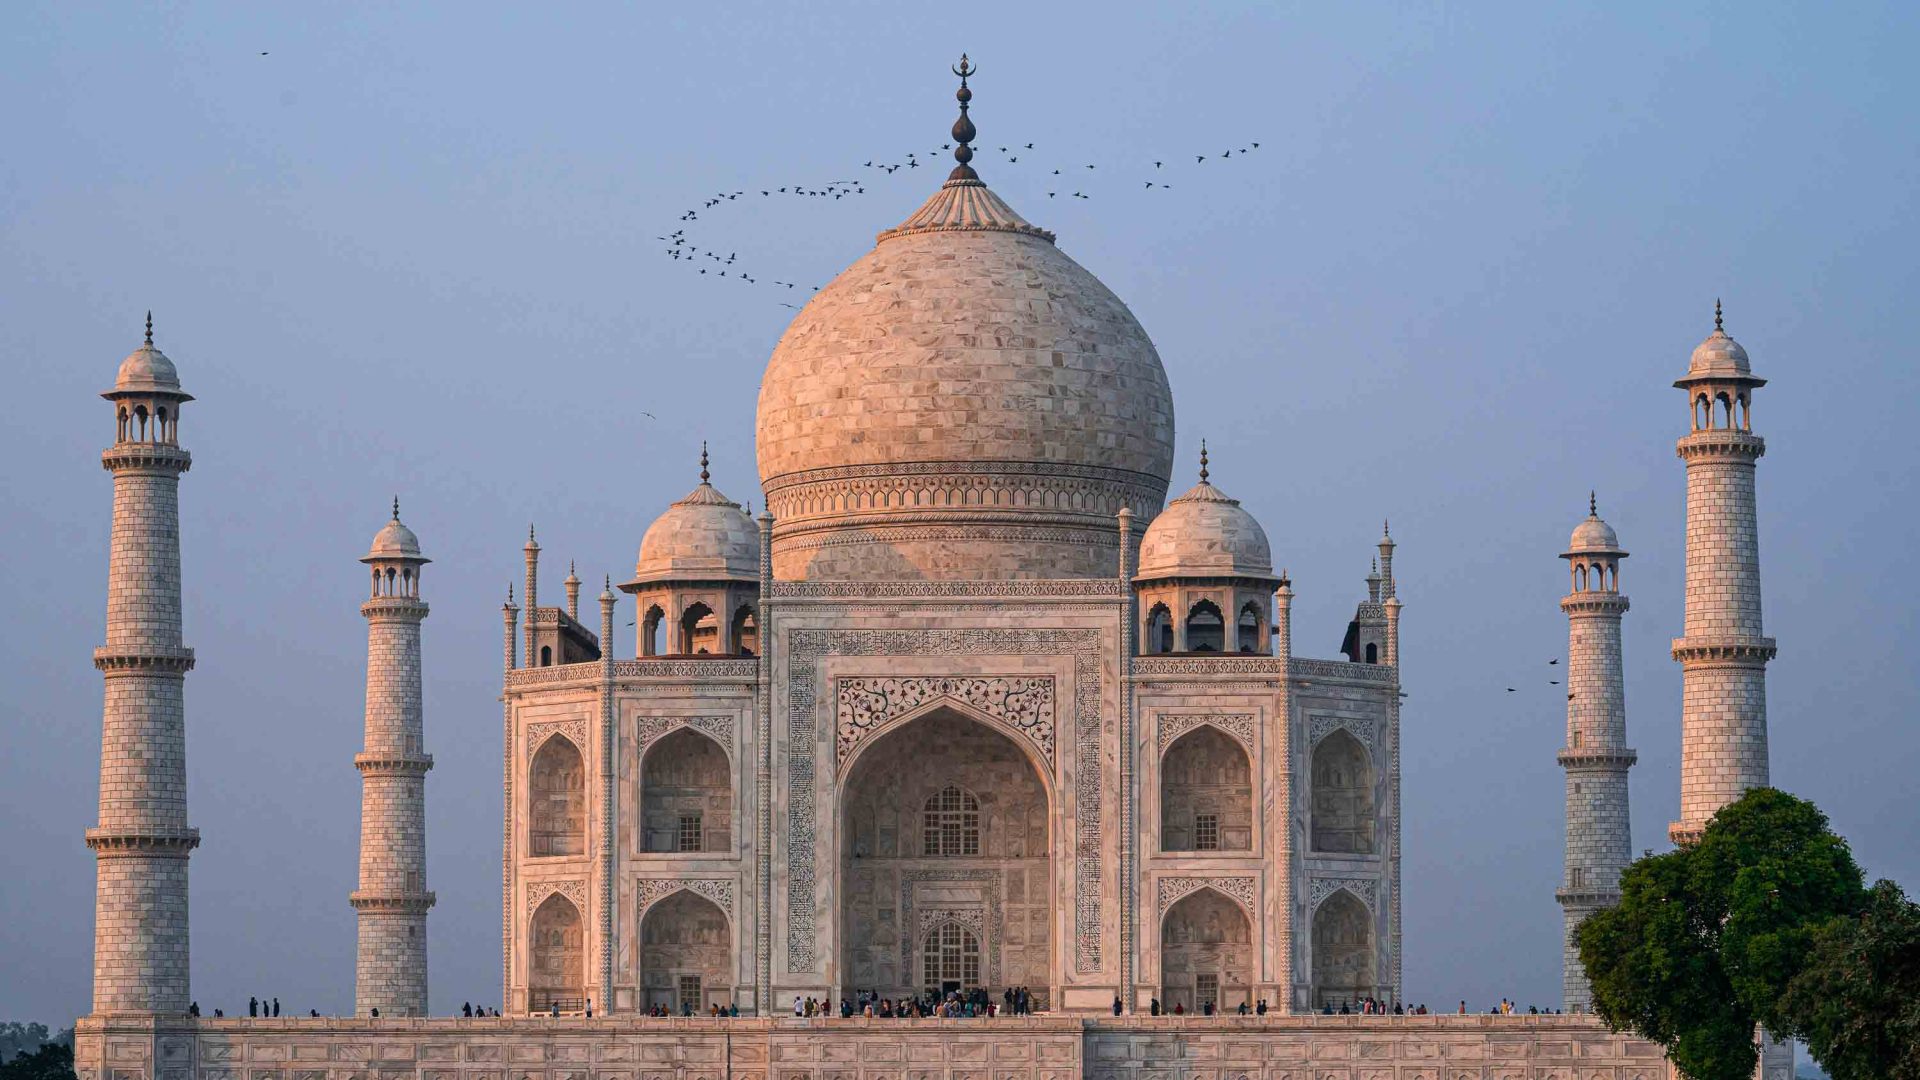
(1593, 504)
(963, 132)
(1718, 323)
(396, 508)
(149, 329)
(1203, 461)
(703, 461)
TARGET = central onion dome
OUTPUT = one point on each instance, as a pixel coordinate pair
(965, 401)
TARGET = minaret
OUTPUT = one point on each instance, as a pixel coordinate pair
(142, 842)
(390, 973)
(1723, 653)
(1596, 758)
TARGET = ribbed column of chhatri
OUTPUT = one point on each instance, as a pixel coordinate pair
(1596, 758)
(141, 844)
(1724, 653)
(390, 970)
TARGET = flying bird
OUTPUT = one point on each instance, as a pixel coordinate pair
(1553, 661)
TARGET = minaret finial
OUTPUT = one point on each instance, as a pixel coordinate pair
(963, 132)
(509, 594)
(703, 461)
(149, 329)
(1386, 529)
(1718, 323)
(396, 508)
(1593, 504)
(1203, 461)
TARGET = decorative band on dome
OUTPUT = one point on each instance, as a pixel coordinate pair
(965, 206)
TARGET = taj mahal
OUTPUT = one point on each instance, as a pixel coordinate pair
(971, 704)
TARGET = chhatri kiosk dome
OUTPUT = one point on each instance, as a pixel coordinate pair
(964, 401)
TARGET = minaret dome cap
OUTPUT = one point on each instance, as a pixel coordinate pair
(146, 370)
(1593, 537)
(395, 543)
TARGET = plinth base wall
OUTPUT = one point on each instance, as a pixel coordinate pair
(1039, 1048)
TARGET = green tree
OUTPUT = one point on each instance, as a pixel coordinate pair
(1704, 940)
(53, 1061)
(1856, 1001)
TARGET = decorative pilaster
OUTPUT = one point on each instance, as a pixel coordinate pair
(1596, 758)
(142, 841)
(532, 552)
(1129, 757)
(763, 776)
(1279, 741)
(510, 616)
(609, 739)
(390, 970)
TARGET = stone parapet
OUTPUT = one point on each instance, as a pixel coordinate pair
(136, 456)
(1440, 1047)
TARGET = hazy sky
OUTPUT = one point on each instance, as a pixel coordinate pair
(415, 252)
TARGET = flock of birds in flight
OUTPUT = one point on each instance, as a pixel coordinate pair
(1555, 662)
(1071, 181)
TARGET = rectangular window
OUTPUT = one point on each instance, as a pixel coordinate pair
(1576, 877)
(690, 994)
(1206, 832)
(689, 832)
(1206, 988)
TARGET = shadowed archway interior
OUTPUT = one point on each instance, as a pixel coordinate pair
(944, 862)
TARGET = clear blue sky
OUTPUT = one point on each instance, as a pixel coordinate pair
(414, 251)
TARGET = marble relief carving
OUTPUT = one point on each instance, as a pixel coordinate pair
(1021, 702)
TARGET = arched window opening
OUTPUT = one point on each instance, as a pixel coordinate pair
(1206, 793)
(1342, 796)
(1343, 961)
(546, 656)
(161, 432)
(1159, 630)
(1206, 630)
(140, 415)
(745, 631)
(950, 960)
(557, 800)
(1580, 577)
(950, 826)
(650, 631)
(1702, 413)
(686, 794)
(1746, 412)
(557, 947)
(1248, 630)
(1206, 953)
(1373, 652)
(686, 954)
(699, 630)
(122, 436)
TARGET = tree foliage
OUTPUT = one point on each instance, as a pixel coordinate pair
(1856, 1000)
(1705, 939)
(53, 1061)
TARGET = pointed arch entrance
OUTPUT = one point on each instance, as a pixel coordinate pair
(946, 873)
(1206, 953)
(686, 954)
(557, 957)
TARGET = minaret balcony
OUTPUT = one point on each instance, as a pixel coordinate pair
(1720, 444)
(1587, 897)
(395, 607)
(162, 457)
(415, 903)
(1729, 651)
(136, 841)
(1594, 603)
(144, 659)
(384, 764)
(1596, 756)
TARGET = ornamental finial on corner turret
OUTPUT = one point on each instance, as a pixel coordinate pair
(963, 132)
(704, 475)
(149, 329)
(1718, 323)
(1203, 461)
